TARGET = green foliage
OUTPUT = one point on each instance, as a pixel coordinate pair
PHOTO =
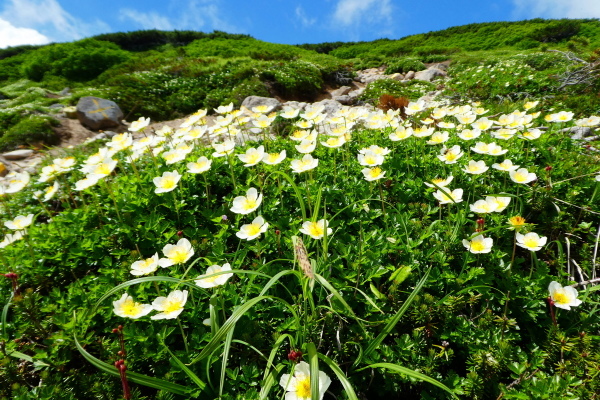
(243, 47)
(412, 90)
(31, 130)
(403, 65)
(77, 61)
(294, 79)
(556, 31)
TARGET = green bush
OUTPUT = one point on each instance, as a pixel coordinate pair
(412, 90)
(296, 78)
(31, 130)
(78, 61)
(403, 65)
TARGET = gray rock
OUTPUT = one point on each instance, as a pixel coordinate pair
(331, 106)
(255, 101)
(341, 91)
(397, 77)
(443, 67)
(65, 92)
(97, 113)
(409, 75)
(345, 99)
(18, 154)
(372, 78)
(356, 93)
(429, 74)
(295, 104)
(579, 132)
(57, 106)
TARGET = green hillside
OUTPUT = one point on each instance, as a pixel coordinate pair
(165, 75)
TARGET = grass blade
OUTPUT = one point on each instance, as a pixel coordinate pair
(413, 374)
(313, 362)
(340, 375)
(339, 297)
(392, 323)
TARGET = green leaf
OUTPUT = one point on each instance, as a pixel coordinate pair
(313, 362)
(413, 374)
(392, 323)
(340, 375)
(132, 376)
(184, 368)
(400, 274)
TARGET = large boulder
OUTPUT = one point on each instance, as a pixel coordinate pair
(255, 101)
(430, 74)
(97, 113)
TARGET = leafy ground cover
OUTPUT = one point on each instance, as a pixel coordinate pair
(445, 252)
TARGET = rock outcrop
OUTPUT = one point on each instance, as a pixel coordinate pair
(97, 113)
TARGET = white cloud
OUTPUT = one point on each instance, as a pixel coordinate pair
(10, 35)
(49, 18)
(353, 12)
(556, 8)
(303, 18)
(146, 20)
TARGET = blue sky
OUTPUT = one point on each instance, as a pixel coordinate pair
(278, 21)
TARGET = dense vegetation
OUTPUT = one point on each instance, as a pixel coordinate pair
(438, 273)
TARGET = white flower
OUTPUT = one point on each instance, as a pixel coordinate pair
(126, 307)
(440, 182)
(306, 146)
(274, 158)
(176, 253)
(454, 196)
(223, 149)
(206, 281)
(298, 386)
(19, 223)
(252, 156)
(316, 230)
(478, 244)
(531, 241)
(17, 182)
(201, 165)
(253, 230)
(145, 267)
(170, 306)
(563, 297)
(476, 167)
(167, 182)
(370, 159)
(484, 206)
(505, 165)
(101, 169)
(305, 164)
(247, 204)
(139, 125)
(9, 239)
(373, 174)
(522, 176)
(501, 202)
(450, 155)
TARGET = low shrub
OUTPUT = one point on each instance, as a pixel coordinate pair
(32, 130)
(403, 65)
(412, 90)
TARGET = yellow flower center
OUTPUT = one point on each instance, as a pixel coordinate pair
(253, 158)
(303, 388)
(250, 204)
(530, 242)
(172, 306)
(375, 172)
(253, 229)
(168, 183)
(103, 169)
(316, 230)
(477, 246)
(517, 221)
(178, 256)
(450, 156)
(560, 298)
(131, 308)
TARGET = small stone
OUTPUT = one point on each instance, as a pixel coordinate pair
(341, 91)
(18, 154)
